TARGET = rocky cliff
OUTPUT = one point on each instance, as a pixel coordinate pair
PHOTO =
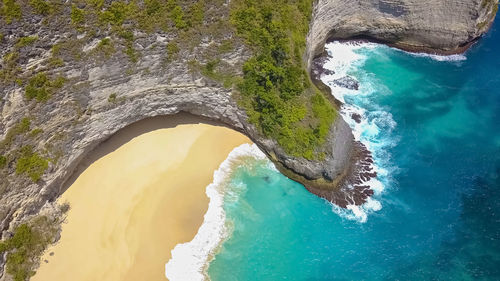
(444, 26)
(106, 91)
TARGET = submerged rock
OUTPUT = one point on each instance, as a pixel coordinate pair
(347, 82)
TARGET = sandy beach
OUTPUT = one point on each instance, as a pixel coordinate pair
(132, 206)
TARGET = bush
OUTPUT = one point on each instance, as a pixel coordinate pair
(177, 16)
(106, 47)
(276, 91)
(26, 246)
(10, 11)
(3, 162)
(112, 98)
(40, 87)
(172, 51)
(31, 164)
(196, 14)
(10, 69)
(77, 15)
(41, 7)
(25, 41)
(116, 13)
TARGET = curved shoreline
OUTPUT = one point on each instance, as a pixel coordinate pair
(140, 214)
(190, 260)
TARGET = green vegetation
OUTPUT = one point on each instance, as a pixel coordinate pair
(215, 71)
(225, 47)
(112, 98)
(26, 246)
(10, 69)
(276, 90)
(177, 16)
(42, 7)
(31, 164)
(3, 161)
(40, 87)
(128, 36)
(35, 132)
(196, 14)
(172, 51)
(77, 15)
(106, 47)
(20, 128)
(25, 41)
(10, 10)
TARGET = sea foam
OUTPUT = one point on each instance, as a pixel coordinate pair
(190, 260)
(458, 57)
(373, 124)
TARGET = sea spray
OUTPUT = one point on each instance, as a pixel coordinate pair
(371, 125)
(189, 260)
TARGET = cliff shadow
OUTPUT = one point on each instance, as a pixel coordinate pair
(130, 132)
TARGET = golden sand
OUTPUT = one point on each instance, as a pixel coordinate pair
(131, 207)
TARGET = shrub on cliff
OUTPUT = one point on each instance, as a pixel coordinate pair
(276, 91)
(3, 161)
(26, 246)
(31, 164)
(10, 10)
(25, 41)
(42, 7)
(40, 87)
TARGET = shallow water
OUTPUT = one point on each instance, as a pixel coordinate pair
(433, 125)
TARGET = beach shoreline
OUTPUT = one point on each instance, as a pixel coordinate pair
(133, 205)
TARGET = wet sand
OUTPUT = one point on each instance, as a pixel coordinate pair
(132, 206)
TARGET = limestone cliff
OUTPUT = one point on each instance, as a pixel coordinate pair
(444, 26)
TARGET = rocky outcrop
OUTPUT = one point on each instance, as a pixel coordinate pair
(435, 26)
(442, 27)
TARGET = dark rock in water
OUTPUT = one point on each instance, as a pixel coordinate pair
(356, 117)
(328, 71)
(267, 179)
(347, 82)
(353, 189)
(317, 68)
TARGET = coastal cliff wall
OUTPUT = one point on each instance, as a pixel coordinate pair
(443, 27)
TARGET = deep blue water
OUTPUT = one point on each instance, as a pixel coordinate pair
(434, 127)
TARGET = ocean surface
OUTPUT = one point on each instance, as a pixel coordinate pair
(433, 126)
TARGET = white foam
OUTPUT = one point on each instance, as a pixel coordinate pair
(458, 57)
(375, 123)
(358, 213)
(189, 260)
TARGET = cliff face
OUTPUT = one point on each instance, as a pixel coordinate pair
(445, 26)
(106, 94)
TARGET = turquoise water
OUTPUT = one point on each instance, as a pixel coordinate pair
(434, 127)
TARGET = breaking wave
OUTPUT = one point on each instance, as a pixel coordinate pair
(371, 124)
(189, 260)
